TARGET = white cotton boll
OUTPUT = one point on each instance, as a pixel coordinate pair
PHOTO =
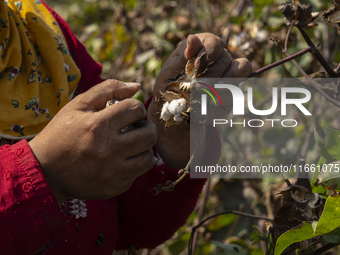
(165, 114)
(173, 106)
(182, 105)
(178, 118)
(177, 106)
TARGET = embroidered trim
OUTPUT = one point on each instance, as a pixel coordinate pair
(158, 161)
(79, 208)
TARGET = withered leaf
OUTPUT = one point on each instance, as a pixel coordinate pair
(178, 89)
(299, 205)
(299, 13)
(332, 15)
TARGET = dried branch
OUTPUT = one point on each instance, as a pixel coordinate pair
(324, 248)
(315, 86)
(317, 53)
(190, 244)
(200, 212)
(280, 62)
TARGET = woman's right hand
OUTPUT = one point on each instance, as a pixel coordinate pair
(82, 151)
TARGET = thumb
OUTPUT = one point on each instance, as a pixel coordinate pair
(194, 45)
(96, 98)
(183, 53)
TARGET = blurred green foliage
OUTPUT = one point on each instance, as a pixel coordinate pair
(132, 39)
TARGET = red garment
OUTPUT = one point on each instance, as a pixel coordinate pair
(32, 221)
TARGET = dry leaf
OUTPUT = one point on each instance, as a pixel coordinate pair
(332, 15)
(177, 90)
(300, 13)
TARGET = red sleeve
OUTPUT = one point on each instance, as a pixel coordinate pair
(29, 213)
(90, 69)
(146, 220)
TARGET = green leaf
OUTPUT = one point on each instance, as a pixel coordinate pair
(329, 176)
(292, 236)
(329, 220)
(229, 249)
(221, 221)
(257, 236)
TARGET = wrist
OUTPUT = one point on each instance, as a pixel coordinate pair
(47, 175)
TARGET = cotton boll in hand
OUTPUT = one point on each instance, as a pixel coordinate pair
(165, 113)
(174, 109)
(177, 106)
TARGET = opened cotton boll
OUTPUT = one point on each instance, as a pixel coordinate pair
(174, 109)
(174, 103)
(177, 106)
(165, 113)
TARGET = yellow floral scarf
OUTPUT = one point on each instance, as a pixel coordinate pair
(37, 74)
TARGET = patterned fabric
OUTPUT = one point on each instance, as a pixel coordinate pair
(37, 74)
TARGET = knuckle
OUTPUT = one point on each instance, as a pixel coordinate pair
(137, 106)
(220, 42)
(109, 83)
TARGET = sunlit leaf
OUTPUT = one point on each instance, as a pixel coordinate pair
(221, 221)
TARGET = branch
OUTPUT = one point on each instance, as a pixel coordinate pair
(200, 212)
(324, 248)
(280, 62)
(315, 86)
(317, 53)
(190, 250)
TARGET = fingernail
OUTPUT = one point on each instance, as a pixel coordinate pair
(132, 84)
(188, 43)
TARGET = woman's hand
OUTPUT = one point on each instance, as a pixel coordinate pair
(173, 144)
(84, 154)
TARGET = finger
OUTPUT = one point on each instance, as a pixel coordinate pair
(212, 50)
(138, 140)
(141, 163)
(95, 99)
(217, 69)
(124, 113)
(239, 68)
(186, 50)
